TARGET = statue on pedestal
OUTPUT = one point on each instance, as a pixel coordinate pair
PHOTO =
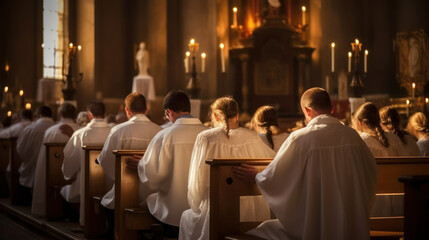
(142, 58)
(143, 82)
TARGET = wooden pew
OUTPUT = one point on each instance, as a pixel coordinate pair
(9, 154)
(5, 153)
(128, 216)
(54, 180)
(94, 183)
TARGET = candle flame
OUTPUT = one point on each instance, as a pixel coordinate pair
(188, 54)
(6, 89)
(357, 41)
(43, 45)
(333, 44)
(408, 102)
(203, 55)
(221, 45)
(9, 113)
(6, 67)
(21, 92)
(303, 8)
(366, 52)
(192, 41)
(28, 106)
(427, 100)
(70, 45)
(350, 54)
(414, 85)
(234, 9)
(79, 47)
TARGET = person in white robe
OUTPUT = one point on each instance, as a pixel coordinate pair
(366, 121)
(391, 122)
(13, 131)
(265, 123)
(164, 168)
(29, 143)
(93, 134)
(322, 181)
(418, 128)
(225, 140)
(67, 113)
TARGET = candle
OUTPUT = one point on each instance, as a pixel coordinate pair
(234, 17)
(327, 84)
(9, 113)
(222, 57)
(408, 107)
(357, 41)
(303, 15)
(365, 62)
(6, 89)
(350, 62)
(21, 92)
(79, 64)
(332, 57)
(203, 62)
(186, 61)
(413, 90)
(28, 106)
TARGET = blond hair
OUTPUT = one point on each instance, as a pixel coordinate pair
(417, 124)
(368, 114)
(224, 108)
(265, 120)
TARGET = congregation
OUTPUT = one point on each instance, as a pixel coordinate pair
(327, 165)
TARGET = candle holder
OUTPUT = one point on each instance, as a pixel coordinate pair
(69, 90)
(356, 83)
(193, 86)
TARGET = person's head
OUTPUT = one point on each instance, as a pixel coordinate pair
(142, 45)
(26, 114)
(224, 110)
(110, 118)
(135, 103)
(120, 117)
(176, 103)
(96, 109)
(44, 111)
(82, 118)
(391, 121)
(67, 110)
(367, 119)
(418, 125)
(265, 121)
(314, 102)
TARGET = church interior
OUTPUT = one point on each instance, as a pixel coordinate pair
(260, 52)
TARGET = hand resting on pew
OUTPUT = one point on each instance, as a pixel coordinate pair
(133, 161)
(66, 130)
(245, 172)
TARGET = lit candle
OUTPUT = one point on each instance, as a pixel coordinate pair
(70, 45)
(79, 47)
(357, 41)
(413, 90)
(187, 62)
(234, 17)
(332, 57)
(43, 45)
(21, 92)
(7, 67)
(408, 107)
(350, 62)
(79, 64)
(28, 106)
(222, 57)
(6, 89)
(9, 113)
(303, 15)
(203, 62)
(365, 62)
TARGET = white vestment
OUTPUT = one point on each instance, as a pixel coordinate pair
(278, 140)
(423, 144)
(134, 134)
(320, 185)
(14, 130)
(28, 147)
(52, 135)
(214, 143)
(395, 147)
(164, 169)
(93, 134)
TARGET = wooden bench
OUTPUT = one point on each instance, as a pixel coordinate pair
(5, 153)
(94, 183)
(54, 180)
(129, 217)
(9, 154)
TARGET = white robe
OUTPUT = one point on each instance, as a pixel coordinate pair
(278, 140)
(14, 130)
(28, 147)
(164, 169)
(213, 143)
(320, 185)
(93, 134)
(395, 145)
(52, 135)
(134, 134)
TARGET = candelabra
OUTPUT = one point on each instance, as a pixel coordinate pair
(193, 87)
(356, 84)
(69, 90)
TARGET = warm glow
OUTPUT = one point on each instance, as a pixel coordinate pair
(350, 54)
(303, 8)
(6, 89)
(414, 85)
(21, 92)
(79, 47)
(366, 52)
(234, 9)
(9, 113)
(6, 67)
(333, 45)
(28, 106)
(203, 55)
(221, 45)
(43, 45)
(408, 102)
(192, 41)
(427, 100)
(357, 41)
(188, 54)
(70, 45)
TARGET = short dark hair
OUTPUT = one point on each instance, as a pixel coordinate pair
(316, 99)
(44, 111)
(26, 114)
(67, 110)
(97, 108)
(178, 101)
(136, 102)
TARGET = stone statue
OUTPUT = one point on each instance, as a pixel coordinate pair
(142, 58)
(413, 57)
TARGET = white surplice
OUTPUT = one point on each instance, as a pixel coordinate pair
(93, 134)
(214, 143)
(52, 135)
(320, 185)
(395, 147)
(28, 147)
(14, 130)
(278, 140)
(134, 134)
(164, 169)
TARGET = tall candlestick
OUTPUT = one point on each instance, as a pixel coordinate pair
(303, 15)
(203, 62)
(332, 57)
(350, 62)
(222, 57)
(365, 61)
(413, 90)
(78, 58)
(234, 17)
(408, 107)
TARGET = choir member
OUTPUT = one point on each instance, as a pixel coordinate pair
(418, 127)
(26, 116)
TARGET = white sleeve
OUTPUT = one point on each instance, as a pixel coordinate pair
(106, 158)
(72, 157)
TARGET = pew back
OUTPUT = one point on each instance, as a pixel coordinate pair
(8, 154)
